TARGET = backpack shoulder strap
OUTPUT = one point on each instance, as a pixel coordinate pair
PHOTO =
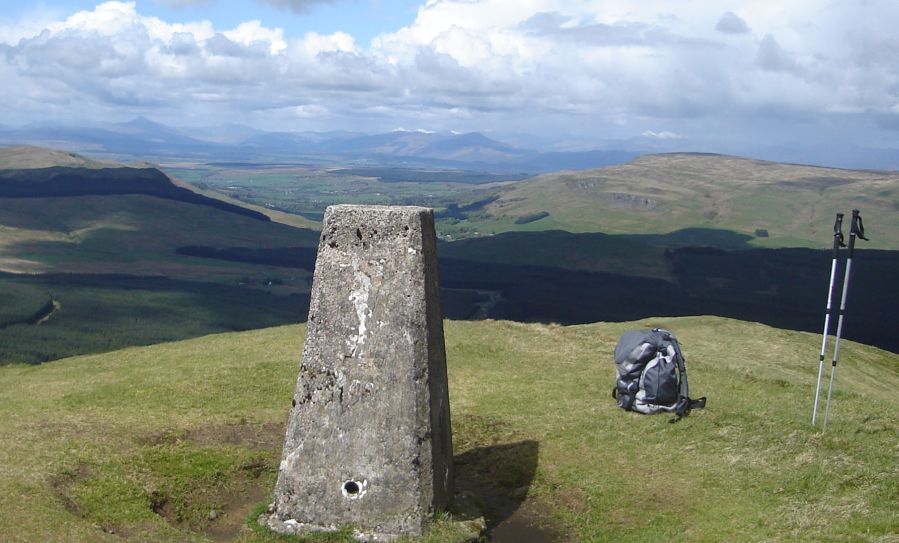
(684, 404)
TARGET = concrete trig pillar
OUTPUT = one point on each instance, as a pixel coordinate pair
(369, 442)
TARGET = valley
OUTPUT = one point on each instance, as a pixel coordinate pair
(306, 190)
(771, 204)
(232, 246)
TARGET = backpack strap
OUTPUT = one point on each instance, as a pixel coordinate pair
(623, 397)
(684, 404)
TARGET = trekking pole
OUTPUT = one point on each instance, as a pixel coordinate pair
(837, 243)
(856, 230)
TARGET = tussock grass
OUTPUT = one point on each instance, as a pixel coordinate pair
(144, 443)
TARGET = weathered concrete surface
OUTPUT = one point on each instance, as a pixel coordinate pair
(368, 442)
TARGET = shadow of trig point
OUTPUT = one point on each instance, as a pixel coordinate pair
(368, 442)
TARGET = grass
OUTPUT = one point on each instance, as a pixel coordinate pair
(144, 443)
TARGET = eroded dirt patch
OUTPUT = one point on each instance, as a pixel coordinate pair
(219, 509)
(230, 522)
(197, 481)
(63, 485)
(263, 436)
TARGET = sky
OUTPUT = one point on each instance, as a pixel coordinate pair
(716, 75)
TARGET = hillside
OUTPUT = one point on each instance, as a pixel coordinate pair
(89, 259)
(593, 252)
(127, 256)
(111, 264)
(61, 212)
(26, 157)
(126, 234)
(141, 444)
(659, 194)
(27, 171)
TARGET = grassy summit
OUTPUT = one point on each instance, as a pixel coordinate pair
(150, 443)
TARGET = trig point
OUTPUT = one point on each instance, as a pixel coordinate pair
(368, 442)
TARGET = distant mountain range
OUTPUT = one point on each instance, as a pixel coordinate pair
(143, 138)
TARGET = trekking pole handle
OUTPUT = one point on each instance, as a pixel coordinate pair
(838, 234)
(858, 227)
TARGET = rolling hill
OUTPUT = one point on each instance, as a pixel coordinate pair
(776, 205)
(61, 212)
(127, 243)
(181, 441)
(27, 158)
(89, 261)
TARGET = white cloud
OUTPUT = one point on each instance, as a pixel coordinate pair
(616, 68)
(309, 111)
(107, 19)
(663, 135)
(314, 43)
(252, 32)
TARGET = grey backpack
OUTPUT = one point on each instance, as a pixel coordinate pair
(651, 375)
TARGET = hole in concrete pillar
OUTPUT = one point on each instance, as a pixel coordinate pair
(352, 489)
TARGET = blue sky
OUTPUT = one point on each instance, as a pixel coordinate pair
(751, 77)
(363, 19)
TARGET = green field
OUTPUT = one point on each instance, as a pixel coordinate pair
(308, 190)
(142, 444)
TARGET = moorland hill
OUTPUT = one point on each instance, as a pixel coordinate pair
(30, 157)
(774, 204)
